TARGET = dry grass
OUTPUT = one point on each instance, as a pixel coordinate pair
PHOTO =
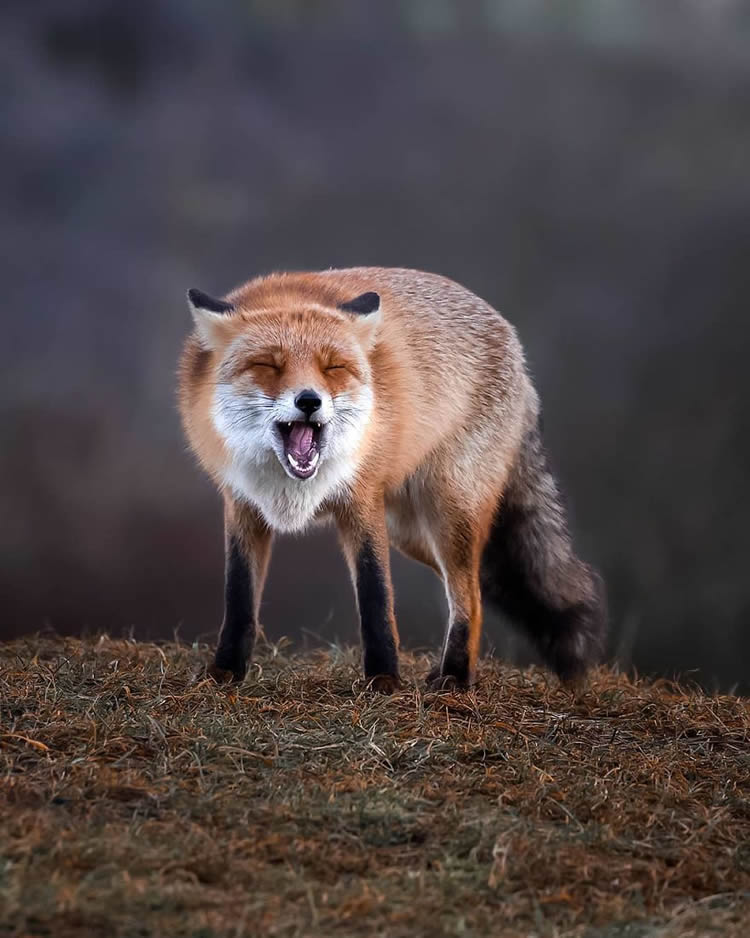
(137, 801)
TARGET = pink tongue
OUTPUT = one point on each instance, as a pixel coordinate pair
(300, 440)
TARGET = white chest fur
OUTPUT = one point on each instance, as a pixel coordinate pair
(287, 504)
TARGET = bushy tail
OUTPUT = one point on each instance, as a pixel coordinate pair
(530, 571)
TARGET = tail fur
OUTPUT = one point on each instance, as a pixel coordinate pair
(529, 569)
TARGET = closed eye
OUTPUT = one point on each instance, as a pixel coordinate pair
(335, 367)
(271, 365)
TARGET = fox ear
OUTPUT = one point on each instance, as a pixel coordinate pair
(362, 305)
(366, 309)
(209, 316)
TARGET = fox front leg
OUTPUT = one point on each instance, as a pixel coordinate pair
(365, 543)
(247, 541)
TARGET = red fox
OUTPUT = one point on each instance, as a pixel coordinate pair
(396, 404)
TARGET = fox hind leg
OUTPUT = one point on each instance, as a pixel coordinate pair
(459, 540)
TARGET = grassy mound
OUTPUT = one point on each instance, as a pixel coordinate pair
(139, 800)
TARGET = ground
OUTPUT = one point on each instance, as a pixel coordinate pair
(140, 799)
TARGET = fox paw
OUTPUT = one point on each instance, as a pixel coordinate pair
(384, 683)
(231, 674)
(446, 682)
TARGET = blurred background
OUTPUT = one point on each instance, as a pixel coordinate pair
(584, 166)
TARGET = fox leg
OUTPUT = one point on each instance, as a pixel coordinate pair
(365, 542)
(247, 541)
(459, 546)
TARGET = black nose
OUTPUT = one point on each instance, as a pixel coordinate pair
(308, 402)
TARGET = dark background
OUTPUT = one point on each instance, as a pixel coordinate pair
(584, 166)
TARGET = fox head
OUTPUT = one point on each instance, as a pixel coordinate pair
(290, 394)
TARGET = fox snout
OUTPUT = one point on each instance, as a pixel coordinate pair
(311, 404)
(308, 401)
(302, 432)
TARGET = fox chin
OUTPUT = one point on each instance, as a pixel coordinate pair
(397, 405)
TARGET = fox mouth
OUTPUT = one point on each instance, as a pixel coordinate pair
(301, 441)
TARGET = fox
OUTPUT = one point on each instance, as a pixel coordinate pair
(397, 405)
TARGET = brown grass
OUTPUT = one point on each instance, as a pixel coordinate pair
(138, 801)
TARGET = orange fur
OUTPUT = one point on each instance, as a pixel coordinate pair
(428, 402)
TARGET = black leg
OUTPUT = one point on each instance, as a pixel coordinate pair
(365, 542)
(247, 548)
(237, 636)
(456, 659)
(375, 613)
